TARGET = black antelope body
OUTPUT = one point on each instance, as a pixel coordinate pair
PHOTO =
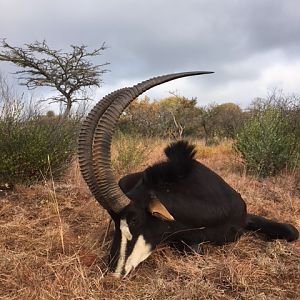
(178, 201)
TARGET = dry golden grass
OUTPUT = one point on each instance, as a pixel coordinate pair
(53, 245)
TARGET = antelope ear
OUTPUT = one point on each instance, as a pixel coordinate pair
(157, 209)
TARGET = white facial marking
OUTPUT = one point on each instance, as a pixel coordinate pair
(125, 236)
(139, 253)
(125, 230)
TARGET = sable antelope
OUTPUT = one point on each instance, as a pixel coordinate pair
(178, 201)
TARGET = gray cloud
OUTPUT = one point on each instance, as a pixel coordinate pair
(240, 40)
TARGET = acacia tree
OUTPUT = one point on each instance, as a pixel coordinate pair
(70, 73)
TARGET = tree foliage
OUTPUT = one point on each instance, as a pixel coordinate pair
(288, 105)
(221, 121)
(181, 115)
(173, 117)
(69, 73)
(178, 117)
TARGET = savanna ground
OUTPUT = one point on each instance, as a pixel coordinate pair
(54, 240)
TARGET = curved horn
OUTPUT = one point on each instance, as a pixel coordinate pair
(108, 188)
(86, 141)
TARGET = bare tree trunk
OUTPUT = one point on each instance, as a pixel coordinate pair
(205, 132)
(178, 126)
(67, 111)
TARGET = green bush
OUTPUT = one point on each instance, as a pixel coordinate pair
(267, 143)
(35, 148)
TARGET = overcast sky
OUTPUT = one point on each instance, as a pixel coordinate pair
(253, 46)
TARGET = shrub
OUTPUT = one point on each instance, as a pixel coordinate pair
(267, 143)
(29, 147)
